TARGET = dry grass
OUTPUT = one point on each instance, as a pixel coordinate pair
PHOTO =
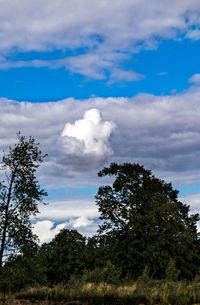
(151, 293)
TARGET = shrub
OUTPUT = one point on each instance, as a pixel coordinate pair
(110, 274)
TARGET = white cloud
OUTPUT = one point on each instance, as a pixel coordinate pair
(193, 200)
(160, 132)
(41, 25)
(94, 64)
(91, 65)
(195, 79)
(124, 76)
(194, 34)
(81, 222)
(62, 210)
(45, 231)
(107, 32)
(89, 136)
(77, 214)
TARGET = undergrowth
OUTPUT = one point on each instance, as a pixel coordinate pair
(149, 292)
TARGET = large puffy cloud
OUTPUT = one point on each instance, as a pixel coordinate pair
(160, 132)
(81, 215)
(45, 231)
(88, 136)
(105, 33)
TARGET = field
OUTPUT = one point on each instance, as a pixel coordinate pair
(149, 293)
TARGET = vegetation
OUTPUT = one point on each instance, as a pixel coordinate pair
(145, 225)
(19, 196)
(146, 251)
(148, 293)
(63, 256)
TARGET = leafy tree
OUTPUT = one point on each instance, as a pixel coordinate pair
(64, 256)
(95, 252)
(23, 270)
(20, 194)
(145, 224)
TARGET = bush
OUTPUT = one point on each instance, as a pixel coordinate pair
(110, 274)
(172, 273)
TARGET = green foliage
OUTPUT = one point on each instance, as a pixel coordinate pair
(64, 256)
(23, 270)
(95, 253)
(172, 273)
(108, 274)
(19, 196)
(145, 224)
(147, 235)
(144, 277)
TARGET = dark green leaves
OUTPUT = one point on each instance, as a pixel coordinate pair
(145, 223)
(20, 193)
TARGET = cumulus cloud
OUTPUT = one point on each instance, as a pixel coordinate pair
(89, 136)
(160, 132)
(81, 215)
(46, 231)
(81, 222)
(108, 33)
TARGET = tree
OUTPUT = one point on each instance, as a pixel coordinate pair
(23, 270)
(95, 254)
(20, 194)
(145, 225)
(64, 256)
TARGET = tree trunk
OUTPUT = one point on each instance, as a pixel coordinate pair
(3, 241)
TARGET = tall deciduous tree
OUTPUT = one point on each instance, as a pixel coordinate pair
(20, 193)
(145, 225)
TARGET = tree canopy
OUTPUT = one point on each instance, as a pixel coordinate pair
(146, 231)
(64, 256)
(20, 194)
(145, 225)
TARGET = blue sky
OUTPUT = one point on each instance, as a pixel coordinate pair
(124, 81)
(166, 70)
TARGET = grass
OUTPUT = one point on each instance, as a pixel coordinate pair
(147, 293)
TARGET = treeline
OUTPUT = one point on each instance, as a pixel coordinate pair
(146, 232)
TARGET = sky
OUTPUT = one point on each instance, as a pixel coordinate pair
(97, 82)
